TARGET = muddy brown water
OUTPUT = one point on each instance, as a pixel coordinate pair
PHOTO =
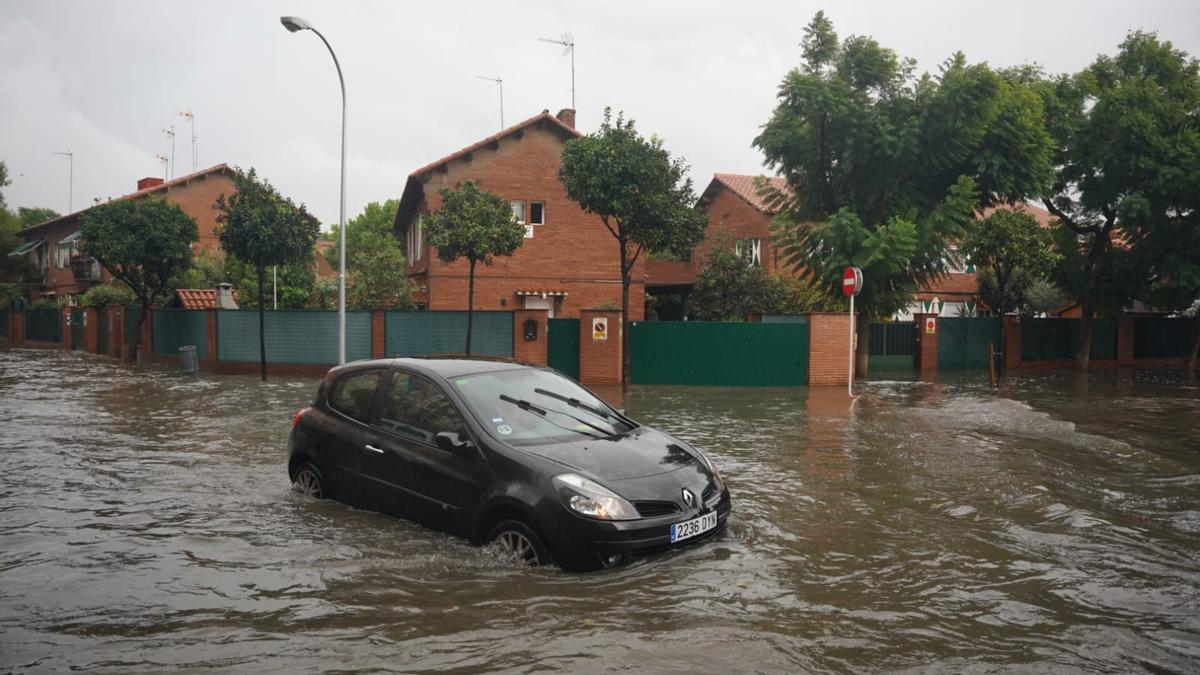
(146, 524)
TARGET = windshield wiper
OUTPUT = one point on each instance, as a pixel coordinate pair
(538, 410)
(575, 403)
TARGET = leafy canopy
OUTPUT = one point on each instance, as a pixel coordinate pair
(474, 224)
(142, 242)
(376, 262)
(1014, 250)
(884, 169)
(35, 215)
(259, 226)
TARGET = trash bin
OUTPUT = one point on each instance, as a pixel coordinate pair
(187, 358)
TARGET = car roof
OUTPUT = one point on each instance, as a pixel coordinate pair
(446, 367)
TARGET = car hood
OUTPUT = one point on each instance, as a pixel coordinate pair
(637, 454)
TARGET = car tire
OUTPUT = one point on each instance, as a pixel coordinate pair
(519, 540)
(309, 482)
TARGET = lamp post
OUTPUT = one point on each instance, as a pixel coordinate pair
(294, 24)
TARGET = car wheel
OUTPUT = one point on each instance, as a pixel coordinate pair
(519, 541)
(308, 481)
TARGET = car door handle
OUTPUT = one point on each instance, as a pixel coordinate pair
(371, 448)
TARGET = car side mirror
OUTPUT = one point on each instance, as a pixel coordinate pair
(450, 442)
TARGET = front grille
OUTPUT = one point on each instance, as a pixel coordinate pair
(649, 509)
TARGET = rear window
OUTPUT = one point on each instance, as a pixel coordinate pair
(352, 393)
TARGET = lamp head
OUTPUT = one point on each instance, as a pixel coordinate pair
(294, 23)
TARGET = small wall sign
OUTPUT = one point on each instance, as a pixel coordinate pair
(600, 329)
(930, 325)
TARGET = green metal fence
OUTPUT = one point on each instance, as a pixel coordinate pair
(292, 336)
(1055, 339)
(1161, 337)
(133, 314)
(963, 342)
(419, 333)
(893, 346)
(44, 324)
(702, 353)
(174, 328)
(562, 346)
(785, 318)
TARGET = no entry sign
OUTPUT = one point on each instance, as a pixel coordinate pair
(851, 281)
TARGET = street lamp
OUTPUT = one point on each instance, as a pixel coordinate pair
(293, 24)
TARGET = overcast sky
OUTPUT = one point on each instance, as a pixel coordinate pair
(102, 79)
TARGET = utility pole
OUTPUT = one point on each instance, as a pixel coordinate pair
(191, 118)
(170, 133)
(500, 82)
(568, 43)
(70, 179)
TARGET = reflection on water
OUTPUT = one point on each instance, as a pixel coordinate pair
(146, 523)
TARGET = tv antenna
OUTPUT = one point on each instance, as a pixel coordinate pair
(499, 81)
(568, 43)
(165, 161)
(169, 132)
(70, 179)
(187, 114)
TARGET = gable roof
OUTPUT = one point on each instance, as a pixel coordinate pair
(161, 187)
(747, 187)
(412, 188)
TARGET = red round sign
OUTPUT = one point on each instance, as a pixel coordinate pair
(851, 281)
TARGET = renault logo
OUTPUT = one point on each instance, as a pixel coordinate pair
(689, 499)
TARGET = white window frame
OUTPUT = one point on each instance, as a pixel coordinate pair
(520, 215)
(755, 250)
(416, 239)
(543, 220)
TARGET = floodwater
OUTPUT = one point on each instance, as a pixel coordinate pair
(146, 524)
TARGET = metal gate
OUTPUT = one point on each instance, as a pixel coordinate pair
(718, 354)
(893, 346)
(963, 342)
(562, 346)
(76, 329)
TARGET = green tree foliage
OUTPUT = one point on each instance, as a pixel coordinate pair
(1042, 297)
(641, 194)
(141, 242)
(376, 262)
(105, 295)
(885, 170)
(1014, 250)
(473, 224)
(10, 225)
(295, 284)
(35, 215)
(1127, 179)
(261, 228)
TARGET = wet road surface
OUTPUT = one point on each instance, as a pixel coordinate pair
(146, 524)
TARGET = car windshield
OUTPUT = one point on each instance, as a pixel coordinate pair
(532, 406)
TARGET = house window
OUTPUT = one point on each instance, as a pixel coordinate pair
(416, 240)
(537, 213)
(957, 263)
(534, 302)
(751, 250)
(518, 207)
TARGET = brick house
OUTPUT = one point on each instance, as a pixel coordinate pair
(57, 266)
(569, 261)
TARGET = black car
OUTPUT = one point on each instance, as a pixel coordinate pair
(507, 453)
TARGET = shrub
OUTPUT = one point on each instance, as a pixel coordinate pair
(104, 295)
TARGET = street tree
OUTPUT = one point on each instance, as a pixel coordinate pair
(475, 224)
(1127, 179)
(141, 242)
(34, 215)
(885, 170)
(376, 262)
(640, 192)
(262, 228)
(10, 224)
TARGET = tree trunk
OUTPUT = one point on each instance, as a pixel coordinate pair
(862, 347)
(262, 333)
(1001, 347)
(470, 303)
(625, 271)
(1083, 350)
(1194, 354)
(135, 354)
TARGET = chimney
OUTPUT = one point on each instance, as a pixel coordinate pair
(225, 297)
(567, 117)
(149, 182)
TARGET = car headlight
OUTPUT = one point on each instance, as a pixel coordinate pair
(591, 499)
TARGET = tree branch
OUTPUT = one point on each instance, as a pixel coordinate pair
(1067, 220)
(604, 219)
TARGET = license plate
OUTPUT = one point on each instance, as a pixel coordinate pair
(690, 528)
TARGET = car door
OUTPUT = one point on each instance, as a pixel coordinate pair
(352, 398)
(438, 488)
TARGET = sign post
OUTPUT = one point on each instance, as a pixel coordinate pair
(852, 281)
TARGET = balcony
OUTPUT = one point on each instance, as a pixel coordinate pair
(85, 268)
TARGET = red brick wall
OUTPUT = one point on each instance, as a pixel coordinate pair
(927, 344)
(600, 362)
(828, 348)
(378, 334)
(530, 351)
(198, 199)
(91, 331)
(573, 251)
(727, 211)
(1012, 342)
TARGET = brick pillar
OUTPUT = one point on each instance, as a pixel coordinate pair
(210, 330)
(531, 351)
(16, 328)
(829, 348)
(600, 360)
(116, 331)
(927, 343)
(1012, 342)
(91, 331)
(67, 336)
(1125, 341)
(378, 334)
(754, 317)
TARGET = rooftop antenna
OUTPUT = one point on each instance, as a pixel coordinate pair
(169, 132)
(70, 180)
(499, 81)
(568, 43)
(187, 114)
(165, 160)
